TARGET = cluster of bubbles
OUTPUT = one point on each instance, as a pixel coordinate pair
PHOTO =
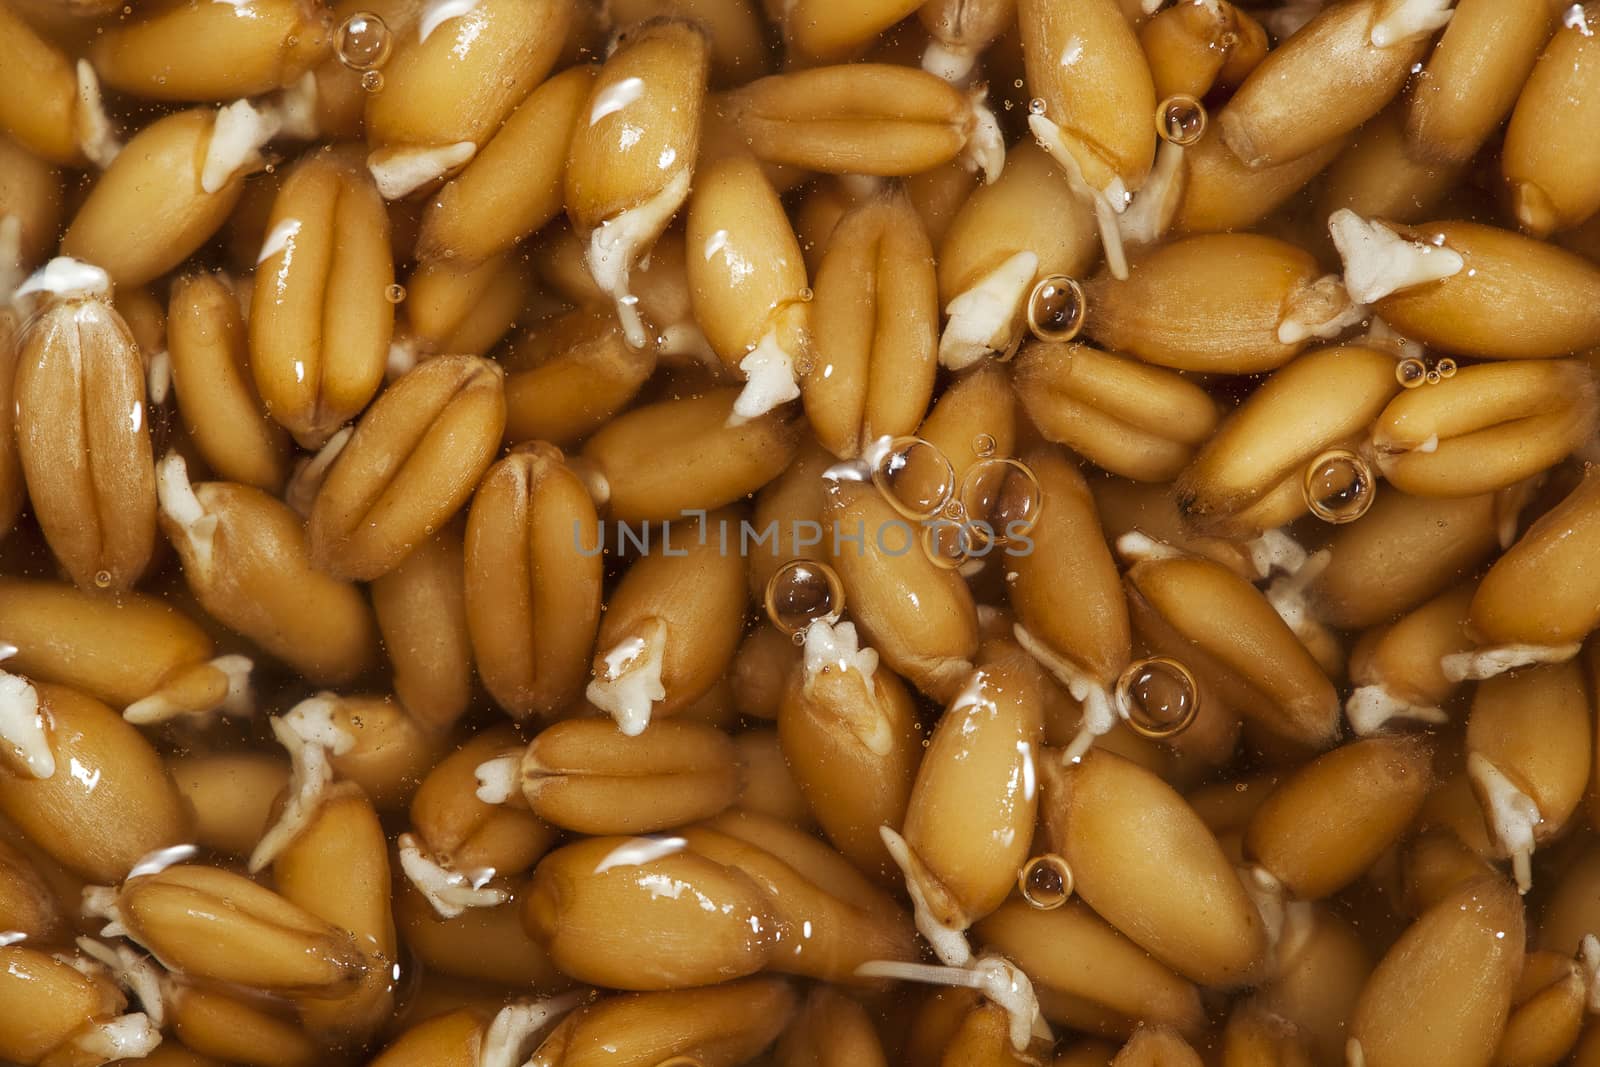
(995, 502)
(1413, 372)
(1045, 882)
(363, 43)
(1339, 486)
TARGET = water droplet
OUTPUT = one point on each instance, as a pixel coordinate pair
(1002, 500)
(914, 477)
(1446, 367)
(1036, 106)
(1339, 486)
(1056, 308)
(806, 295)
(372, 81)
(802, 591)
(1434, 377)
(983, 446)
(1181, 119)
(395, 293)
(102, 579)
(1410, 372)
(1045, 881)
(1158, 697)
(946, 543)
(363, 42)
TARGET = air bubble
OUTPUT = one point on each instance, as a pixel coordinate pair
(1002, 500)
(1045, 882)
(801, 592)
(1056, 308)
(1181, 120)
(363, 42)
(102, 579)
(1434, 377)
(1446, 367)
(946, 543)
(372, 81)
(1410, 372)
(395, 293)
(806, 295)
(914, 477)
(1339, 486)
(1036, 106)
(1158, 697)
(983, 446)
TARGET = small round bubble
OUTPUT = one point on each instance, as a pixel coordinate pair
(1036, 106)
(395, 293)
(1045, 882)
(914, 477)
(372, 81)
(1004, 496)
(946, 543)
(1158, 697)
(1056, 308)
(1410, 372)
(102, 579)
(363, 41)
(801, 592)
(1434, 377)
(807, 295)
(1181, 120)
(983, 446)
(1339, 486)
(1446, 367)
